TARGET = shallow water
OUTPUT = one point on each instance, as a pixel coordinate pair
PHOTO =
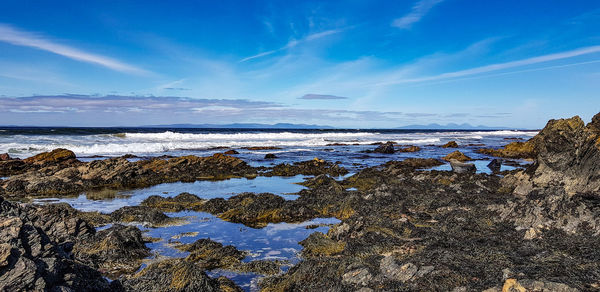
(273, 242)
(281, 186)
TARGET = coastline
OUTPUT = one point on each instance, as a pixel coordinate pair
(400, 224)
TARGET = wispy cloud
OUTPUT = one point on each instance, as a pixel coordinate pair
(18, 37)
(418, 11)
(293, 43)
(498, 66)
(136, 110)
(321, 96)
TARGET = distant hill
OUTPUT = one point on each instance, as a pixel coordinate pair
(242, 126)
(451, 126)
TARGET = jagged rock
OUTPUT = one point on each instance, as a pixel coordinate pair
(31, 261)
(116, 250)
(450, 144)
(4, 157)
(457, 155)
(310, 167)
(495, 165)
(270, 156)
(358, 277)
(512, 285)
(390, 269)
(176, 275)
(230, 152)
(386, 148)
(210, 255)
(460, 167)
(71, 176)
(513, 150)
(257, 210)
(141, 214)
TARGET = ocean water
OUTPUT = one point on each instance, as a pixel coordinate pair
(295, 145)
(275, 241)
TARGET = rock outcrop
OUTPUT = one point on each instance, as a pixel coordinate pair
(60, 173)
(386, 148)
(34, 255)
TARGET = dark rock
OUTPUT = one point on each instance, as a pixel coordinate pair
(183, 201)
(141, 214)
(31, 261)
(310, 167)
(230, 152)
(262, 148)
(175, 275)
(116, 250)
(387, 148)
(495, 165)
(270, 156)
(460, 167)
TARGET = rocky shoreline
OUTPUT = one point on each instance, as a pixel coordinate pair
(402, 228)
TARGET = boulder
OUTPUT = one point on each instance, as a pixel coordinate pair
(386, 148)
(270, 156)
(457, 155)
(54, 156)
(4, 157)
(495, 165)
(461, 167)
(230, 152)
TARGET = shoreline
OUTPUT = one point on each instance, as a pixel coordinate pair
(401, 227)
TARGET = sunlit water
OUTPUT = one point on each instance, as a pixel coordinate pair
(275, 241)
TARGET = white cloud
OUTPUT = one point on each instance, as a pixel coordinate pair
(498, 66)
(418, 11)
(293, 43)
(18, 37)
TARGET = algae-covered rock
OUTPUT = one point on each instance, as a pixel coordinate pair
(310, 167)
(183, 201)
(116, 250)
(176, 275)
(54, 156)
(450, 144)
(457, 155)
(410, 149)
(513, 150)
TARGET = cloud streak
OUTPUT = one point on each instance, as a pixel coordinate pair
(321, 96)
(498, 66)
(18, 37)
(139, 110)
(418, 11)
(293, 43)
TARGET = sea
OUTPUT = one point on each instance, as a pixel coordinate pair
(348, 147)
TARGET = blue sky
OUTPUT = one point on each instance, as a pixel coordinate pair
(356, 64)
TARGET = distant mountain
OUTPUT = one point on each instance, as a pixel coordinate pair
(242, 126)
(451, 126)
